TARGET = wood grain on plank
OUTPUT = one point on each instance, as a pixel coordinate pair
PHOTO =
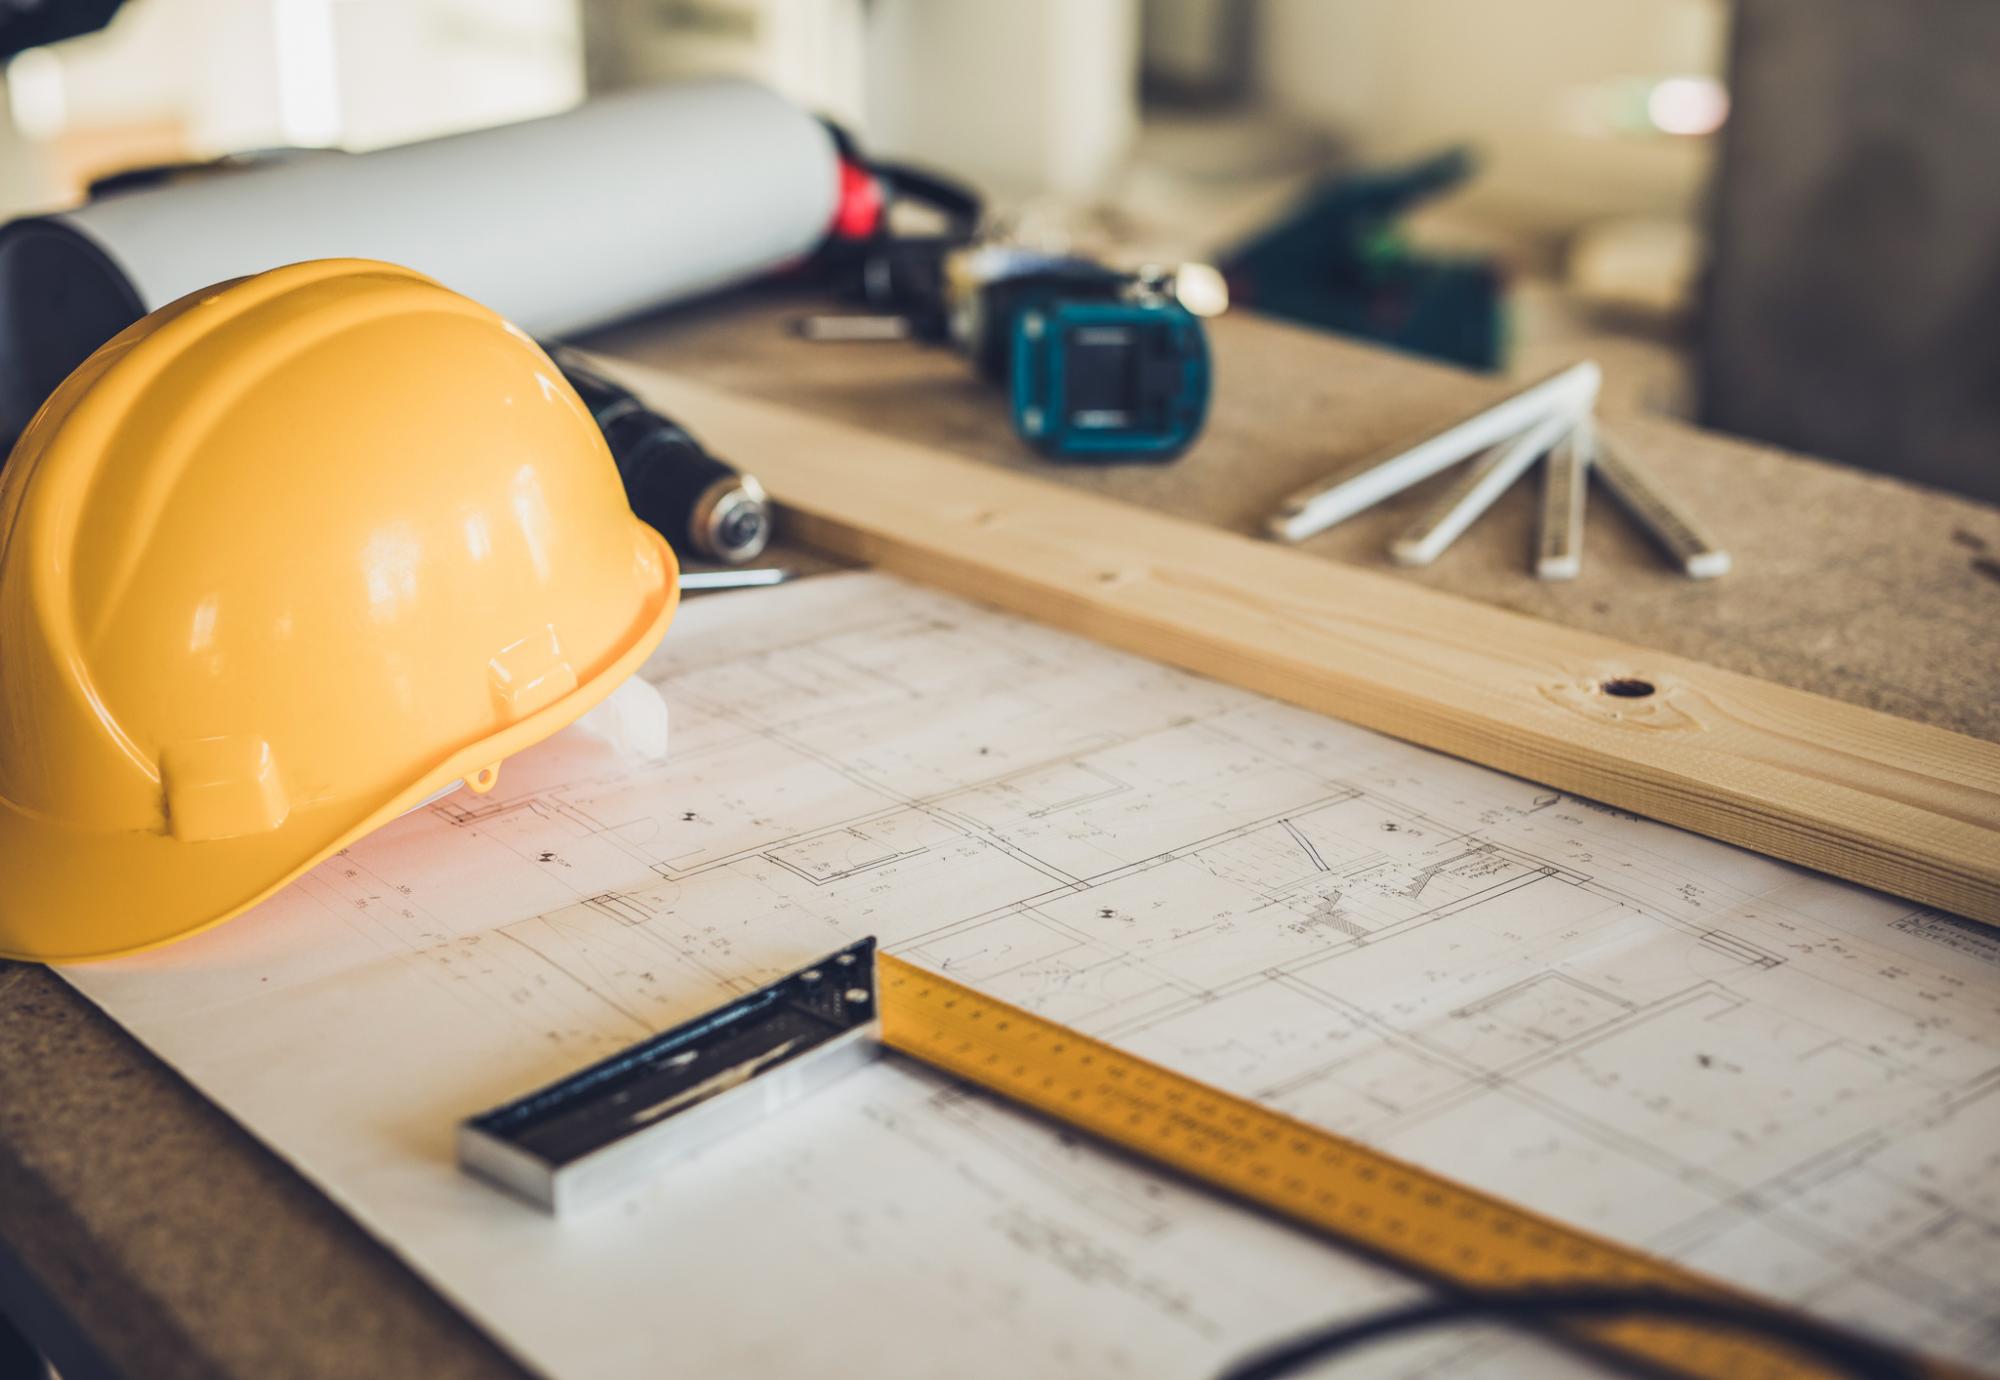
(1909, 809)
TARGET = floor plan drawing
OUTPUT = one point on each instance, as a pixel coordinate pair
(1780, 1079)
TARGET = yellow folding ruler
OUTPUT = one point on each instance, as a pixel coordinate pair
(587, 1136)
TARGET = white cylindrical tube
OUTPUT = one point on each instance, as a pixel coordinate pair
(629, 202)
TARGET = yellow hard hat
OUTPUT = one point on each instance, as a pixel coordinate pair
(277, 564)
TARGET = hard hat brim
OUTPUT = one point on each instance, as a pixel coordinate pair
(96, 895)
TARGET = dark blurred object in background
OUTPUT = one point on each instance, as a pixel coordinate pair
(1196, 54)
(1338, 260)
(25, 24)
(1853, 301)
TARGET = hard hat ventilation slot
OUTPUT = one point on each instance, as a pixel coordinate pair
(530, 675)
(222, 788)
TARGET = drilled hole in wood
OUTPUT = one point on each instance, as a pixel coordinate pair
(1627, 687)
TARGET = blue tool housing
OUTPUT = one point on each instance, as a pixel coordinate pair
(1108, 380)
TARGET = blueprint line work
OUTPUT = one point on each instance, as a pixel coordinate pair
(1778, 1079)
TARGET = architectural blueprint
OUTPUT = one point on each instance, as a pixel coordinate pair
(1777, 1078)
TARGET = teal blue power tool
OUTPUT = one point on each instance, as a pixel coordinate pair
(1098, 364)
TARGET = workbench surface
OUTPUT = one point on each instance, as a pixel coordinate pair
(174, 1245)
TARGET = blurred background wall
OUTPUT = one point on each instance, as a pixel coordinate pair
(1555, 92)
(1619, 149)
(170, 80)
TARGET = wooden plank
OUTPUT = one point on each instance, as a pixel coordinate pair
(1851, 585)
(1878, 800)
(1847, 583)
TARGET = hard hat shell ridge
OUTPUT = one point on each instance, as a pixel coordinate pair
(278, 563)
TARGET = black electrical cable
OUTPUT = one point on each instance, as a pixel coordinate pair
(1543, 1309)
(958, 203)
(961, 206)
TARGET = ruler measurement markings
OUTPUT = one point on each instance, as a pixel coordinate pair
(1565, 473)
(1669, 524)
(1393, 1211)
